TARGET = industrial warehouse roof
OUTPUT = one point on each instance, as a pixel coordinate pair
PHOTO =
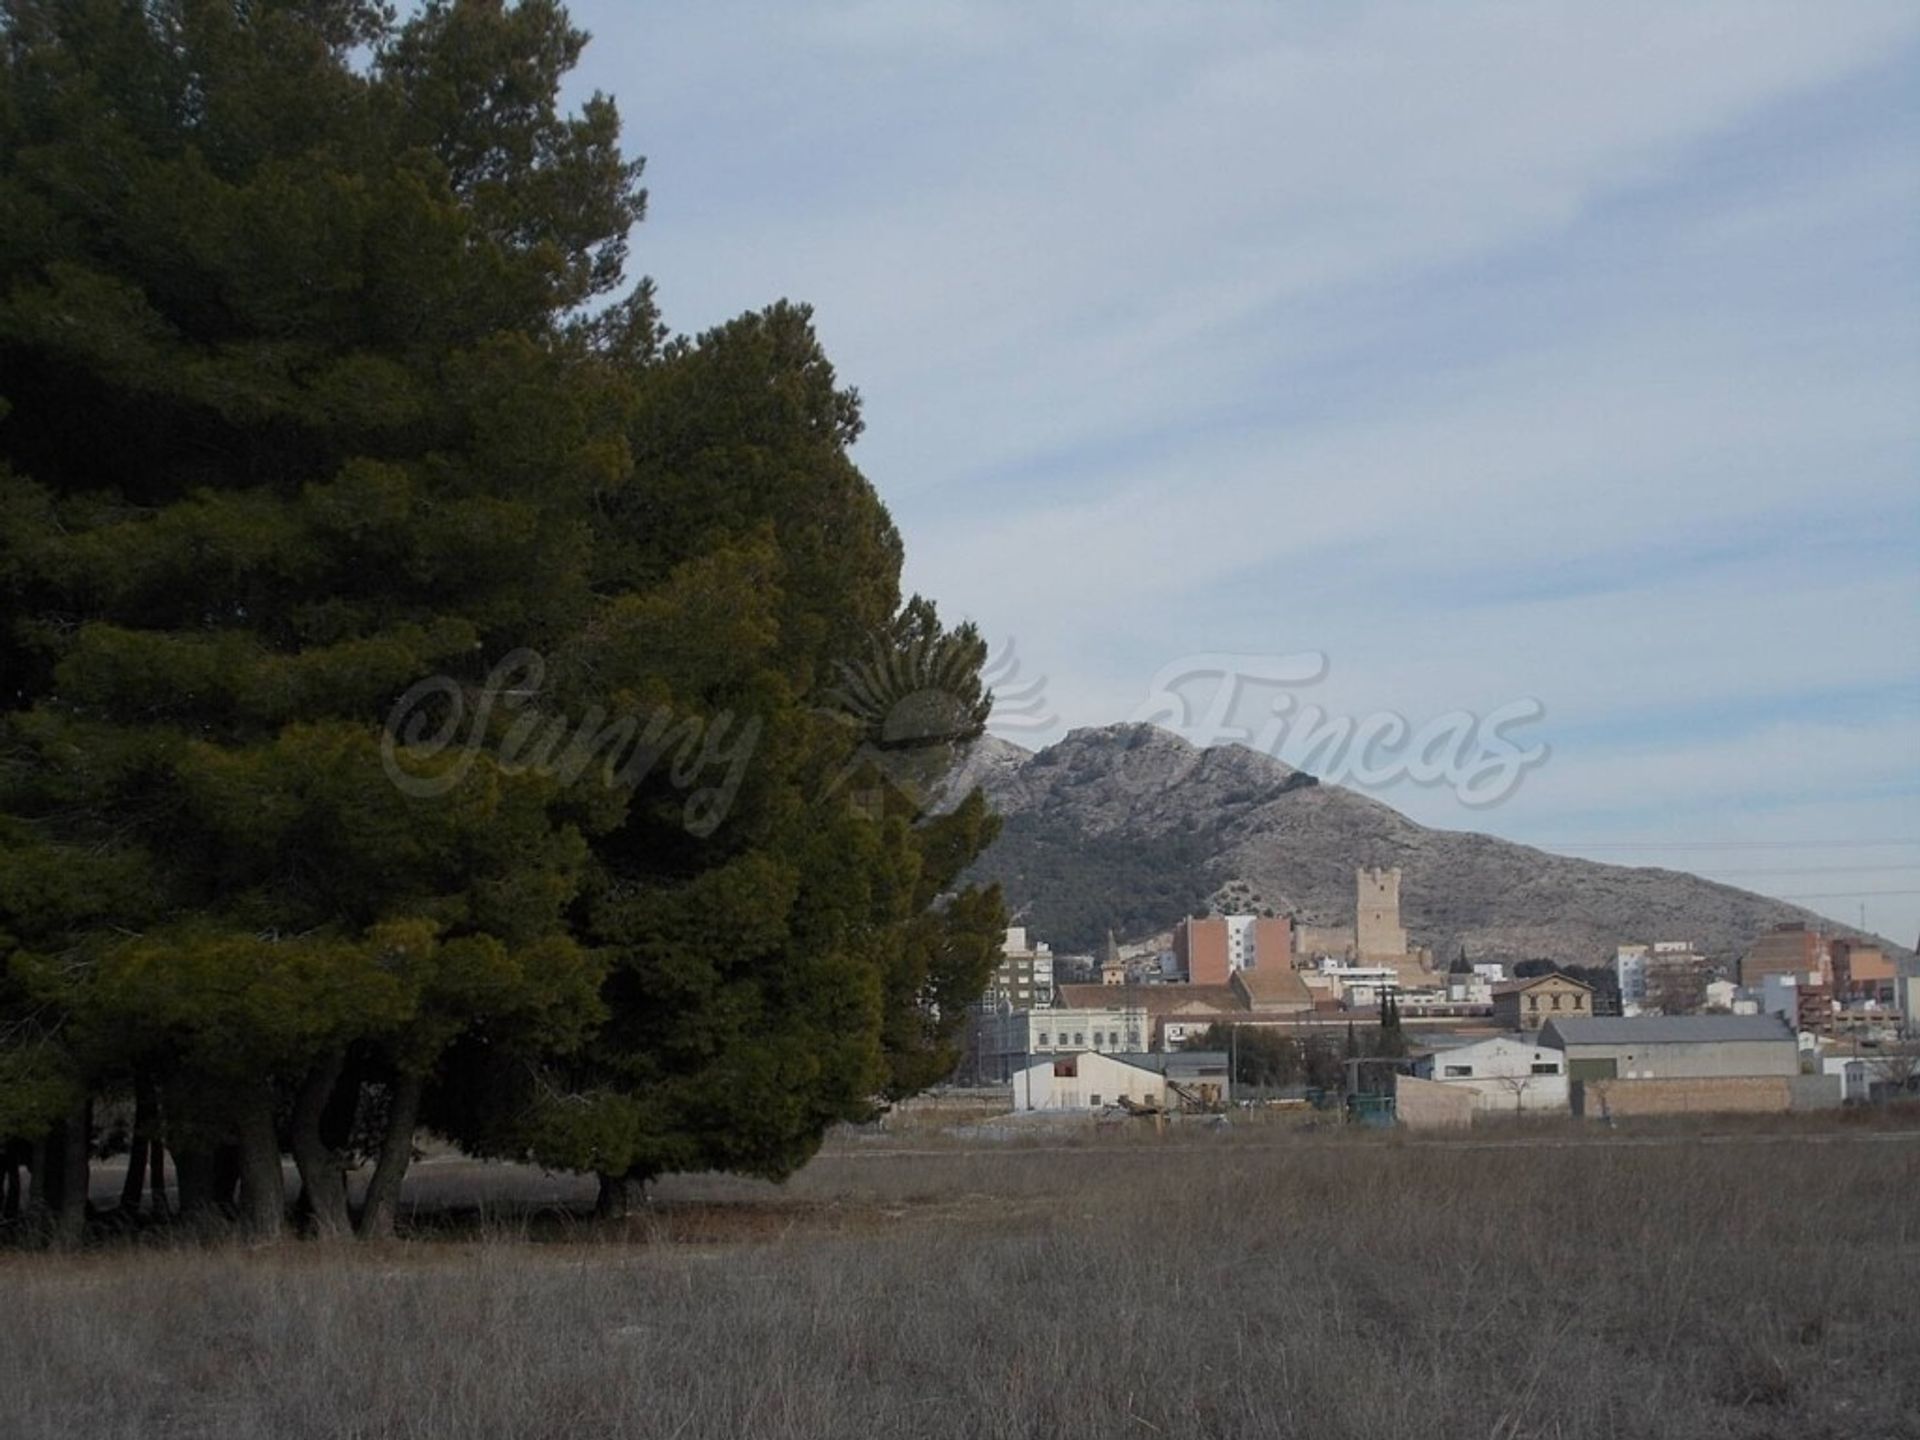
(1667, 1030)
(1177, 1063)
(1174, 1062)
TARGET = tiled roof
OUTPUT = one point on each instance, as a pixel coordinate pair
(1275, 986)
(1156, 1000)
(1514, 987)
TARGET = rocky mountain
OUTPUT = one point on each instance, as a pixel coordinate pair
(1130, 826)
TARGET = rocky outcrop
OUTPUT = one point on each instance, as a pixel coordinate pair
(1131, 826)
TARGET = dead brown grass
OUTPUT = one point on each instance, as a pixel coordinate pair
(1245, 1286)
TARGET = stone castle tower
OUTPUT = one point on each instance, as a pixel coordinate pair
(1376, 913)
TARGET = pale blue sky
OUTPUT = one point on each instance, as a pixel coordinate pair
(1496, 352)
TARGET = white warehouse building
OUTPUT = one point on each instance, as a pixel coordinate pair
(1175, 1080)
(1505, 1073)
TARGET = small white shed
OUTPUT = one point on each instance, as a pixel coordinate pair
(1507, 1072)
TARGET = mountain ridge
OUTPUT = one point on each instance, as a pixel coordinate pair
(1132, 826)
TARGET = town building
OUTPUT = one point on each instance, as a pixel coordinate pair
(1271, 990)
(1727, 998)
(1468, 984)
(1192, 1008)
(1630, 973)
(1505, 1073)
(1790, 949)
(1323, 942)
(1357, 987)
(1209, 949)
(1377, 928)
(1874, 1077)
(1804, 1001)
(1667, 976)
(1023, 980)
(1862, 972)
(1006, 1039)
(1666, 1047)
(1528, 1004)
(1377, 936)
(1182, 1080)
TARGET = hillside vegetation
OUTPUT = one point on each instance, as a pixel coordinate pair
(1131, 826)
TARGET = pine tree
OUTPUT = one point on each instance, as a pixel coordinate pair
(313, 385)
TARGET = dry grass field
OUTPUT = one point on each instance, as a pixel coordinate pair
(1194, 1284)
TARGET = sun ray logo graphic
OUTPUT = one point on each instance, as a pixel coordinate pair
(916, 704)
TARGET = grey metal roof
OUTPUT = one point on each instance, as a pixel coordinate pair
(1171, 1062)
(1667, 1029)
(1174, 1062)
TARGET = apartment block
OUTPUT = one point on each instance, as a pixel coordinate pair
(1209, 950)
(1786, 950)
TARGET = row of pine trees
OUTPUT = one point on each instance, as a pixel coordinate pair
(352, 501)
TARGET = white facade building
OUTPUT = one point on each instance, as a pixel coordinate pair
(1240, 952)
(1358, 987)
(1780, 994)
(1505, 1073)
(1469, 988)
(1009, 1037)
(1726, 995)
(1088, 1081)
(1862, 1077)
(1633, 965)
(1630, 970)
(1085, 1082)
(1023, 980)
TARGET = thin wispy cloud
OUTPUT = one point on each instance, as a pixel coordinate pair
(1559, 351)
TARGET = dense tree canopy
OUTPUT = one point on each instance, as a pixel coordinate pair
(423, 681)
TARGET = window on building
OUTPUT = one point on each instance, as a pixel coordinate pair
(1094, 1098)
(1546, 1068)
(1579, 1002)
(1533, 1002)
(1043, 1038)
(1079, 1037)
(1556, 1001)
(1459, 1070)
(1133, 1037)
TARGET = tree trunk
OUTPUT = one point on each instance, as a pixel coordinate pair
(619, 1196)
(157, 1176)
(323, 1176)
(263, 1188)
(37, 1186)
(226, 1178)
(135, 1184)
(66, 1169)
(396, 1153)
(193, 1169)
(145, 1103)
